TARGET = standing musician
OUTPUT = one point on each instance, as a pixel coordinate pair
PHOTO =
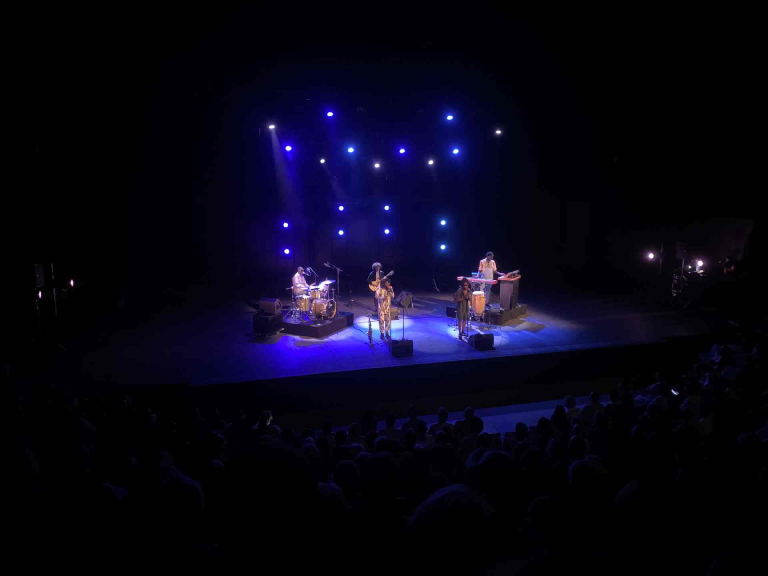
(299, 283)
(461, 298)
(384, 295)
(373, 276)
(487, 268)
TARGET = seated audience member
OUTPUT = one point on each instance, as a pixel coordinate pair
(469, 442)
(353, 435)
(442, 422)
(464, 427)
(594, 401)
(572, 411)
(266, 428)
(424, 441)
(413, 420)
(391, 431)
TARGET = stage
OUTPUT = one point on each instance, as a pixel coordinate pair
(207, 340)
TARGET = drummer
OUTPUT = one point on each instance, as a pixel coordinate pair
(299, 283)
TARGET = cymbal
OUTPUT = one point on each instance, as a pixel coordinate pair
(326, 282)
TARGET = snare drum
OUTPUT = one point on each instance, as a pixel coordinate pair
(478, 302)
(299, 289)
(302, 302)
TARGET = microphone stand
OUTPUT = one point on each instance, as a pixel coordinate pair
(338, 280)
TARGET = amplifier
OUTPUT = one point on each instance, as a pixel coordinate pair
(401, 348)
(481, 341)
(267, 323)
(270, 305)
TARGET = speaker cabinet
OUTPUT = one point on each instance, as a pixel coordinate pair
(481, 341)
(401, 348)
(270, 305)
(267, 323)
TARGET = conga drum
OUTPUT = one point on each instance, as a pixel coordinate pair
(478, 302)
(302, 302)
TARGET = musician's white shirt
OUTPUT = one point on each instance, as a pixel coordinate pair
(487, 268)
(298, 280)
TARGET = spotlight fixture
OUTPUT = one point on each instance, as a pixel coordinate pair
(341, 208)
(386, 207)
(72, 283)
(288, 148)
(699, 263)
(442, 222)
(431, 162)
(455, 150)
(350, 149)
(39, 294)
(402, 150)
(341, 232)
(322, 160)
(285, 224)
(271, 126)
(329, 114)
(650, 255)
(442, 246)
(377, 165)
(449, 117)
(286, 251)
(498, 132)
(386, 230)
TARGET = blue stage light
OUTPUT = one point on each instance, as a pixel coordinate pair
(322, 160)
(449, 117)
(431, 162)
(455, 150)
(341, 232)
(271, 126)
(498, 132)
(285, 224)
(350, 149)
(442, 222)
(402, 150)
(377, 165)
(650, 255)
(341, 208)
(329, 114)
(386, 230)
(442, 246)
(286, 251)
(386, 207)
(288, 148)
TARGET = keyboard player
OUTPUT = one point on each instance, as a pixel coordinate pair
(487, 269)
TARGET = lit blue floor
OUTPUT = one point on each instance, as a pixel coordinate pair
(213, 343)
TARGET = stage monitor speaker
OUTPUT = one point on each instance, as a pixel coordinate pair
(405, 299)
(481, 341)
(401, 348)
(270, 305)
(267, 323)
(450, 311)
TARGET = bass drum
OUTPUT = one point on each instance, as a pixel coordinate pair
(324, 308)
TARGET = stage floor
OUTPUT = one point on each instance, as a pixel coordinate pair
(208, 341)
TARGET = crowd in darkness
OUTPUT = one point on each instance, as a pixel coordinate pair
(668, 473)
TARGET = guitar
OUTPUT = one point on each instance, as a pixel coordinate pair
(375, 284)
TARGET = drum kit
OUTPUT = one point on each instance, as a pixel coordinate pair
(316, 302)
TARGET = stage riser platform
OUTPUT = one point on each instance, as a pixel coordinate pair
(297, 328)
